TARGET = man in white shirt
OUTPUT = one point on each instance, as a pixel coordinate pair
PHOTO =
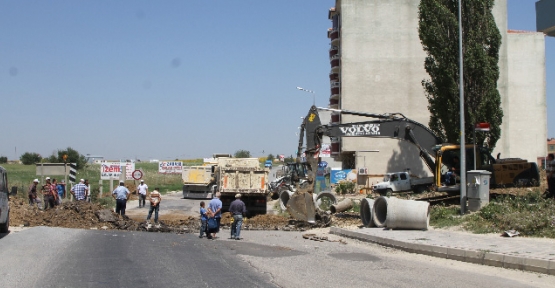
(142, 190)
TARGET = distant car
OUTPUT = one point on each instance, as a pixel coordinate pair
(268, 164)
(4, 202)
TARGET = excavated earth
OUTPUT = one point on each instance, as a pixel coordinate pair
(93, 216)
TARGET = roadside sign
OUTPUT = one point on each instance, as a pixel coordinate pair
(137, 174)
(484, 127)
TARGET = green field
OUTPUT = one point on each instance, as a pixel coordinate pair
(21, 177)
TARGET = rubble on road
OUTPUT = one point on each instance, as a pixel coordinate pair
(86, 215)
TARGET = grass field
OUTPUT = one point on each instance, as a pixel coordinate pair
(21, 177)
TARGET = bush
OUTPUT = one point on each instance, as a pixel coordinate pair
(344, 187)
(3, 159)
(29, 158)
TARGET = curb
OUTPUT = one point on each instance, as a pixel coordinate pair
(465, 255)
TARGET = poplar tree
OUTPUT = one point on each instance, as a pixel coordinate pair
(439, 34)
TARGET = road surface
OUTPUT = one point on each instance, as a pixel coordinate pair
(59, 257)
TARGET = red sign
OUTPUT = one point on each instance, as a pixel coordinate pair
(137, 174)
(482, 127)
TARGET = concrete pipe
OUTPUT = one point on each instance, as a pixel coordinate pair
(396, 213)
(344, 205)
(366, 207)
(324, 200)
(284, 197)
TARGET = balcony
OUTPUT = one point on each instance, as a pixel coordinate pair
(335, 118)
(334, 103)
(334, 36)
(335, 90)
(334, 77)
(334, 50)
(335, 62)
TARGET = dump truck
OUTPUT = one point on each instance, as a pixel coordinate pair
(229, 176)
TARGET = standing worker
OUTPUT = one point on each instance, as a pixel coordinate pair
(155, 199)
(88, 198)
(121, 194)
(47, 194)
(80, 191)
(61, 189)
(203, 219)
(33, 194)
(215, 208)
(54, 191)
(142, 190)
(238, 209)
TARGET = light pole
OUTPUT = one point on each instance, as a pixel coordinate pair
(461, 107)
(309, 91)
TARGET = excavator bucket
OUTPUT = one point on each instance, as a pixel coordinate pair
(301, 206)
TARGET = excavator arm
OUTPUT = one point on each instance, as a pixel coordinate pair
(395, 126)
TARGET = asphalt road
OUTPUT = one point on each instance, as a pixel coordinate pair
(58, 257)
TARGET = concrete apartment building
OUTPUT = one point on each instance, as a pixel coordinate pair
(377, 66)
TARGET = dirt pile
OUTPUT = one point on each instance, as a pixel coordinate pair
(93, 216)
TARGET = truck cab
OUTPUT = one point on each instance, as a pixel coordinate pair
(393, 182)
(268, 164)
(401, 182)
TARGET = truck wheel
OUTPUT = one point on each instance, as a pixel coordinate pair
(4, 227)
(388, 191)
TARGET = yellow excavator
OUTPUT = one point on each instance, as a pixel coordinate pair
(436, 154)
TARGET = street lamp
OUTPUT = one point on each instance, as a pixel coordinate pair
(309, 91)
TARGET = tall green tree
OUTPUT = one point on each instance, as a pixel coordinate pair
(439, 34)
(242, 154)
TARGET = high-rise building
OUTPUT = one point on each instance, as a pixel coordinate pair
(377, 66)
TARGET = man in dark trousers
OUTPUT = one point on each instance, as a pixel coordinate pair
(121, 194)
(237, 208)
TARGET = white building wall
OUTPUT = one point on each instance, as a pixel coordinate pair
(382, 67)
(526, 101)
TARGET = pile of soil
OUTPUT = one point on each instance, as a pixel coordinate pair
(93, 216)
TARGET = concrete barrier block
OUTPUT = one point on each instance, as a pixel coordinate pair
(456, 254)
(536, 265)
(493, 259)
(439, 251)
(513, 262)
(476, 257)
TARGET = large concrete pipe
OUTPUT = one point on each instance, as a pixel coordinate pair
(324, 199)
(284, 197)
(344, 205)
(396, 213)
(366, 207)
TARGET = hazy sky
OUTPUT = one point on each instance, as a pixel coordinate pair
(171, 79)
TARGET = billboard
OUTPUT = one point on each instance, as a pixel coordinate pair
(341, 175)
(112, 170)
(170, 167)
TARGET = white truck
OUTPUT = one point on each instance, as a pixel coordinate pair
(401, 182)
(229, 176)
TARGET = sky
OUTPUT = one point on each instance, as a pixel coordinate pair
(163, 80)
